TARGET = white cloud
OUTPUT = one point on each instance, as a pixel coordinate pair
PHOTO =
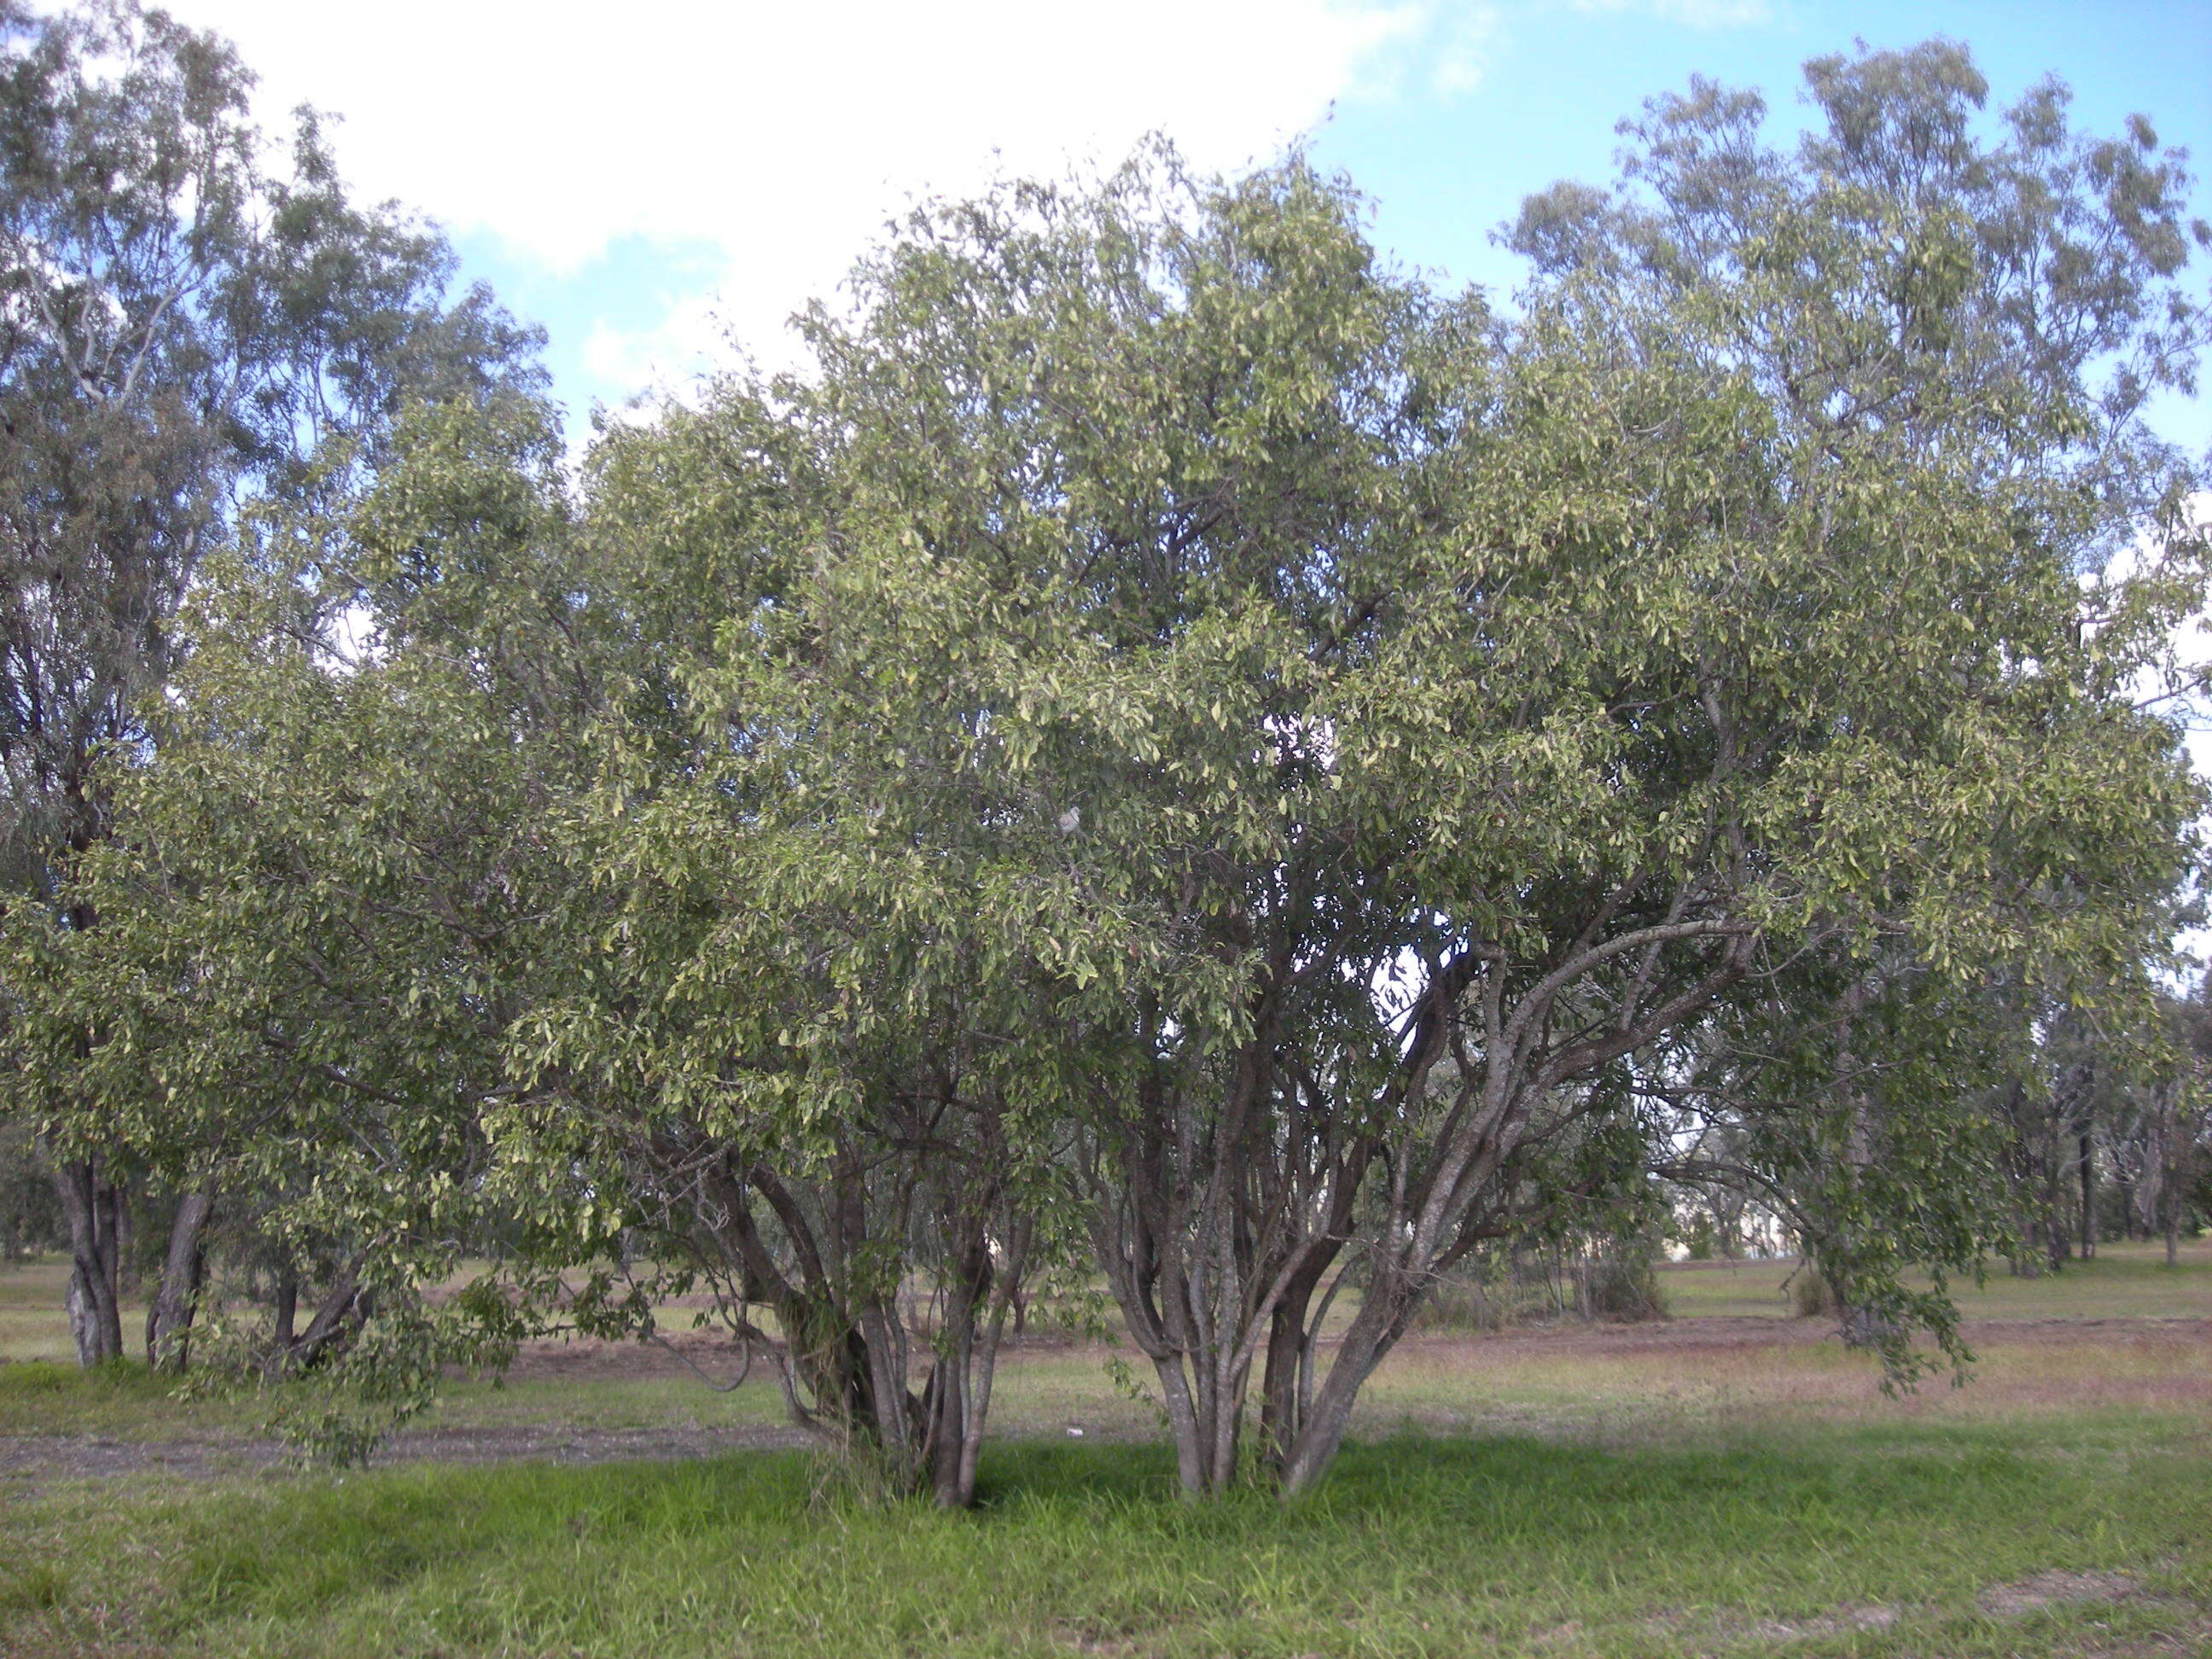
(1692, 13)
(663, 358)
(1463, 60)
(782, 135)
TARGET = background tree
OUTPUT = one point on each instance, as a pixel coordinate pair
(182, 329)
(328, 886)
(2173, 1120)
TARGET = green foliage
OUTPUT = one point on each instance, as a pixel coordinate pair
(274, 1001)
(30, 1219)
(197, 327)
(192, 328)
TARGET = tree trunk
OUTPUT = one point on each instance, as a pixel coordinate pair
(92, 1207)
(336, 1318)
(1007, 1293)
(1373, 1330)
(84, 1326)
(1183, 1427)
(169, 1316)
(1280, 1396)
(948, 1400)
(282, 1324)
(2169, 1198)
(2089, 1198)
(1286, 1379)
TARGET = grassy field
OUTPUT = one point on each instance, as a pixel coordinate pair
(1728, 1482)
(2123, 1281)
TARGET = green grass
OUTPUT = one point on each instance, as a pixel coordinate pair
(33, 1325)
(1699, 1488)
(2123, 1281)
(1417, 1547)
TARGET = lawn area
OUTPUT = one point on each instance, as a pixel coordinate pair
(2077, 1535)
(1711, 1485)
(32, 1323)
(2122, 1281)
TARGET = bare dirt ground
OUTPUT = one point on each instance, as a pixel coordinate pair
(77, 1457)
(1720, 1347)
(585, 1359)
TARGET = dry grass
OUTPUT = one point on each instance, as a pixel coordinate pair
(2036, 1351)
(2123, 1281)
(33, 1325)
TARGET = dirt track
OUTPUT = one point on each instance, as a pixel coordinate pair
(32, 1458)
(583, 1359)
(76, 1457)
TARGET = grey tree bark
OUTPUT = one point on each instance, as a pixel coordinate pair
(92, 1205)
(184, 1269)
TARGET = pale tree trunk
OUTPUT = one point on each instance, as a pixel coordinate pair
(1141, 1215)
(1286, 1379)
(1207, 1227)
(2175, 1131)
(2088, 1168)
(1216, 1228)
(833, 1349)
(1183, 1428)
(1373, 1330)
(84, 1326)
(2169, 1180)
(92, 1207)
(956, 1399)
(848, 1357)
(1005, 1294)
(1181, 1302)
(169, 1316)
(1433, 1222)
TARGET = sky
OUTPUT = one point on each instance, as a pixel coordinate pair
(661, 185)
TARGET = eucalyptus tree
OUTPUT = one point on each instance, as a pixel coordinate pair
(2178, 1109)
(185, 322)
(326, 883)
(1175, 727)
(1428, 725)
(2104, 1121)
(2160, 1135)
(1901, 279)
